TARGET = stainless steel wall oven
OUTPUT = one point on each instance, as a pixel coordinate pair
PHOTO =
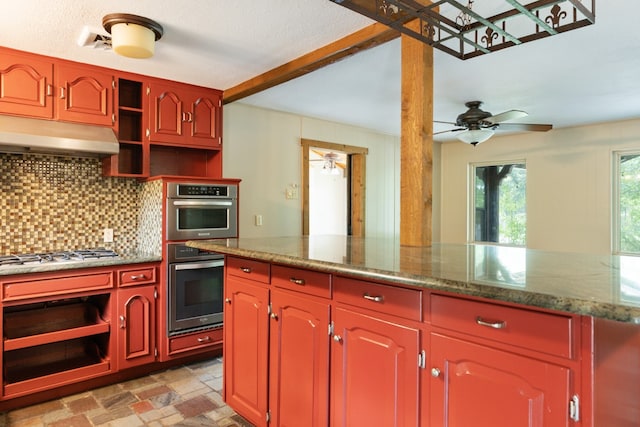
(195, 289)
(201, 211)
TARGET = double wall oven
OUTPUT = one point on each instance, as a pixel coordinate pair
(195, 277)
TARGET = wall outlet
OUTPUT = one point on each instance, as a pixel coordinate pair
(291, 192)
(258, 220)
(107, 235)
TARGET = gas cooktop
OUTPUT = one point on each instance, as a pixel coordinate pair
(63, 256)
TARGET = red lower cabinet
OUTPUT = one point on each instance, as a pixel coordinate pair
(136, 326)
(474, 385)
(374, 372)
(246, 340)
(299, 361)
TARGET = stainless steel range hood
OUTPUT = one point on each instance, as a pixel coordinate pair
(26, 135)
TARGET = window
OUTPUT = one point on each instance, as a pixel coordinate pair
(627, 232)
(499, 203)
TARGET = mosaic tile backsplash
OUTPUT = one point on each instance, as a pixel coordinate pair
(51, 203)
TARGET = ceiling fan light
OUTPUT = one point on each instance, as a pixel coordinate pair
(475, 136)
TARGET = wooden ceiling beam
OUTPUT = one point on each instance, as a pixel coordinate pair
(366, 38)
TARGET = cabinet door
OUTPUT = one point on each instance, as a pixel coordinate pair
(166, 114)
(246, 341)
(204, 118)
(473, 385)
(85, 94)
(26, 85)
(374, 372)
(136, 326)
(299, 361)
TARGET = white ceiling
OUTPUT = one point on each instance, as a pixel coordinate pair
(585, 76)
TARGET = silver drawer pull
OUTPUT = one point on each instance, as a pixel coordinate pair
(140, 276)
(297, 281)
(495, 325)
(376, 298)
(204, 339)
(245, 270)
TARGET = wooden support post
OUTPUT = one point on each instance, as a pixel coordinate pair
(416, 140)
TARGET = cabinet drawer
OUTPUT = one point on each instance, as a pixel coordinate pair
(196, 340)
(305, 281)
(61, 285)
(248, 268)
(544, 332)
(393, 300)
(137, 276)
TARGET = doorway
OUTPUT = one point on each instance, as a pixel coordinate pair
(346, 164)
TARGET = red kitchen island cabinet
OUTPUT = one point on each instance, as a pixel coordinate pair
(246, 341)
(299, 354)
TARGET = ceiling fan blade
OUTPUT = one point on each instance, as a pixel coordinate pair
(507, 115)
(447, 131)
(526, 126)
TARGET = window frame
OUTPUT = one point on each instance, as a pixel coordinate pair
(616, 223)
(471, 202)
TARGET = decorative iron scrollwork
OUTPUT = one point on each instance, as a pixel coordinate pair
(489, 37)
(557, 15)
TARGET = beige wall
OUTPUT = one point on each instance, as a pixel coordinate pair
(569, 183)
(569, 177)
(262, 147)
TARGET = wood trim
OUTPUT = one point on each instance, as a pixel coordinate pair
(416, 143)
(366, 38)
(357, 175)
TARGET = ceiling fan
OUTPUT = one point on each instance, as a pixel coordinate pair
(331, 162)
(479, 125)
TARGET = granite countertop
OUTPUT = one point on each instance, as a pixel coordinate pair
(596, 285)
(8, 270)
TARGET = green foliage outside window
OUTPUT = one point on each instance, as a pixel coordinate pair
(500, 204)
(629, 208)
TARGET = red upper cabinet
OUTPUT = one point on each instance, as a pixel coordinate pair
(41, 87)
(185, 115)
(26, 85)
(84, 94)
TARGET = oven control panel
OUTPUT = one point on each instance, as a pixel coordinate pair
(179, 190)
(178, 252)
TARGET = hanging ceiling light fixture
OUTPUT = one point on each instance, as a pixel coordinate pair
(479, 27)
(475, 136)
(132, 36)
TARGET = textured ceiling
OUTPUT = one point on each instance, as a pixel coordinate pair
(584, 76)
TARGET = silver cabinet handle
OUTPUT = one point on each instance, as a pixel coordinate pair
(189, 117)
(495, 325)
(274, 316)
(184, 116)
(245, 270)
(204, 339)
(227, 300)
(337, 338)
(122, 322)
(49, 90)
(62, 94)
(435, 372)
(297, 281)
(376, 298)
(141, 276)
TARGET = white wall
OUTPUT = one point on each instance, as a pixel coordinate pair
(262, 147)
(327, 202)
(569, 183)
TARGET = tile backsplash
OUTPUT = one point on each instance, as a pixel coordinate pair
(53, 203)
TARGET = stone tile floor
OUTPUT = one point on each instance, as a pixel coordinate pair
(188, 396)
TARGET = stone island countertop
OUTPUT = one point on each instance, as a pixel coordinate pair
(596, 285)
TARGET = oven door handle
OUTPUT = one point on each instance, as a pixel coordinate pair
(202, 202)
(196, 265)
